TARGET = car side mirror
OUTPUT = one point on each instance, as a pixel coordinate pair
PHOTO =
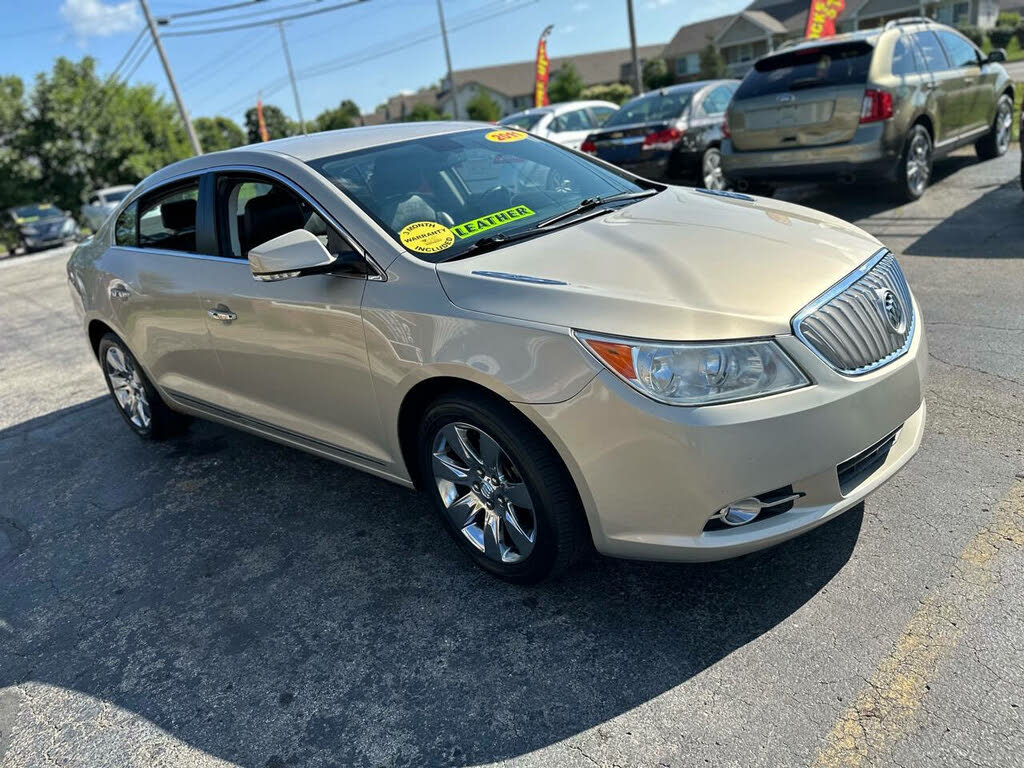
(996, 55)
(289, 255)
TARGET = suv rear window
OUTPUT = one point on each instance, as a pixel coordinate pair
(827, 65)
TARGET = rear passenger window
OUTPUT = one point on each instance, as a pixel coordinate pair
(577, 120)
(168, 221)
(961, 53)
(126, 233)
(717, 101)
(904, 60)
(934, 57)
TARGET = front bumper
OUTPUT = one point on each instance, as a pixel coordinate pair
(651, 475)
(870, 154)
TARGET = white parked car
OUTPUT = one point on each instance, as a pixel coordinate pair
(568, 123)
(102, 203)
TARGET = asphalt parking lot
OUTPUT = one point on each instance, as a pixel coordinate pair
(222, 600)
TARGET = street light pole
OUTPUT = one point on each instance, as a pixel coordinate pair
(291, 75)
(448, 60)
(632, 47)
(189, 129)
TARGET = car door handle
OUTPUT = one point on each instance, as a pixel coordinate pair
(119, 292)
(222, 313)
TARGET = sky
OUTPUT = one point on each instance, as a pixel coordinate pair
(365, 52)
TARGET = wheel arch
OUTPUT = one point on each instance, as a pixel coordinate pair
(97, 329)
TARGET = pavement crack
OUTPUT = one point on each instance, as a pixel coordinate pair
(974, 369)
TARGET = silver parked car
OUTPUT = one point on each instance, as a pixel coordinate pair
(102, 203)
(557, 352)
(567, 123)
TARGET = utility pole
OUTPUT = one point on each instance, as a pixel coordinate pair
(632, 47)
(291, 75)
(189, 129)
(448, 59)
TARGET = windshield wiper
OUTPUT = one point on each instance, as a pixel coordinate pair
(590, 203)
(495, 241)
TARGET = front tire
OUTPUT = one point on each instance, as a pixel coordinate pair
(995, 143)
(500, 488)
(915, 168)
(138, 402)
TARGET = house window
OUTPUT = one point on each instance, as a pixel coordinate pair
(961, 13)
(688, 65)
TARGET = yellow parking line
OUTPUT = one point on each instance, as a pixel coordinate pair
(885, 709)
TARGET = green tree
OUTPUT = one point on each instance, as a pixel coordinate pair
(345, 115)
(616, 92)
(217, 133)
(712, 63)
(82, 132)
(656, 75)
(18, 178)
(483, 107)
(424, 111)
(277, 123)
(566, 85)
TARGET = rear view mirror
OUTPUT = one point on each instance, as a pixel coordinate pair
(996, 55)
(289, 255)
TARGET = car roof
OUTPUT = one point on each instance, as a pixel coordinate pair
(117, 188)
(696, 85)
(315, 145)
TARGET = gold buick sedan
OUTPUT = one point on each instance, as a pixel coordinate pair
(559, 353)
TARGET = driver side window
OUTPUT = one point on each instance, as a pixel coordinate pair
(257, 210)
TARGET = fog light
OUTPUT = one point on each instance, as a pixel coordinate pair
(741, 512)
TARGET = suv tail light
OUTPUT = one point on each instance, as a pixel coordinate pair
(663, 139)
(877, 105)
(589, 147)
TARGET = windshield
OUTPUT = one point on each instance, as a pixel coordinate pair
(116, 197)
(27, 213)
(524, 120)
(440, 194)
(837, 64)
(651, 107)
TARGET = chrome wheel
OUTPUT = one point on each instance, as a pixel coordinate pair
(712, 170)
(483, 493)
(919, 163)
(129, 391)
(1004, 125)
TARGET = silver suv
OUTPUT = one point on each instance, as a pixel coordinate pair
(878, 103)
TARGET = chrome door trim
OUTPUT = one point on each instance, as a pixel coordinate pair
(281, 433)
(381, 274)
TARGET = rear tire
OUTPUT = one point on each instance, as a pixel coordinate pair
(138, 402)
(995, 143)
(711, 175)
(500, 488)
(915, 169)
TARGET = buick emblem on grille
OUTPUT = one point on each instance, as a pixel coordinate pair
(893, 310)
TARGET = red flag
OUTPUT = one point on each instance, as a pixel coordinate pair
(259, 120)
(821, 18)
(540, 88)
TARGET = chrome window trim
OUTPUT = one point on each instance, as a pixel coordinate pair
(380, 275)
(839, 288)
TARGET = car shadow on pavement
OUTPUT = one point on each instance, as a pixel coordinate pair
(993, 225)
(272, 608)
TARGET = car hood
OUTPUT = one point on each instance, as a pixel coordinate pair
(683, 264)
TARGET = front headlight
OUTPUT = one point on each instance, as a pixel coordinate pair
(698, 373)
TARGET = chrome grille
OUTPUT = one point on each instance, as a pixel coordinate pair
(863, 322)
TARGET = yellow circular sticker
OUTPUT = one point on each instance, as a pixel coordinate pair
(503, 137)
(426, 237)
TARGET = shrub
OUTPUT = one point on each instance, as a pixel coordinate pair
(1008, 19)
(1001, 36)
(617, 92)
(974, 34)
(1018, 32)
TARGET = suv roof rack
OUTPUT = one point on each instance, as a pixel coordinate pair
(908, 20)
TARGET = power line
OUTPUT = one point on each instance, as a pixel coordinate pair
(138, 62)
(128, 53)
(370, 53)
(163, 21)
(217, 9)
(264, 22)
